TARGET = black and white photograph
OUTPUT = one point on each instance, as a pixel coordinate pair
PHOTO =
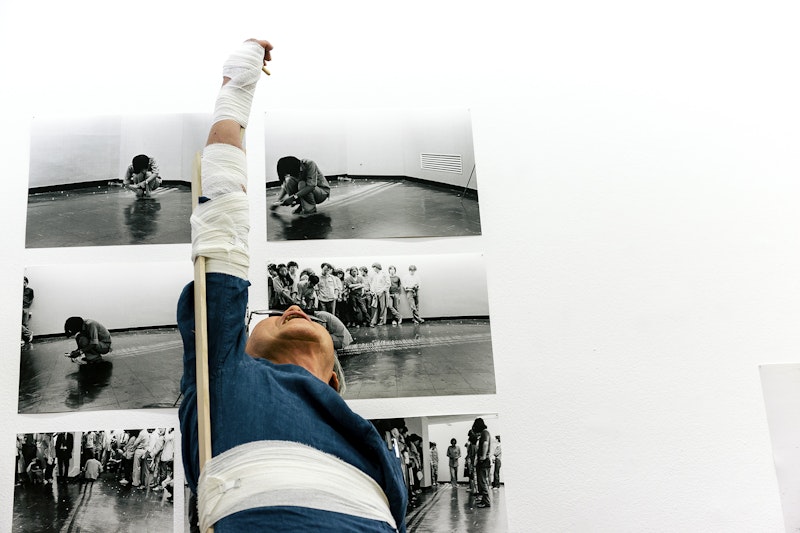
(112, 180)
(370, 173)
(95, 481)
(411, 325)
(452, 466)
(101, 336)
(781, 384)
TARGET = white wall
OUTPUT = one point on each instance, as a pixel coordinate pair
(638, 166)
(450, 285)
(117, 295)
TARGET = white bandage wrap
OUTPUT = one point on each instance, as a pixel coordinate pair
(280, 473)
(220, 226)
(243, 67)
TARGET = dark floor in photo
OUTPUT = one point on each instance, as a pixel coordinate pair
(437, 358)
(143, 370)
(108, 216)
(447, 509)
(377, 208)
(104, 506)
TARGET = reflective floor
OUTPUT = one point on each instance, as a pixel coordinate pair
(104, 506)
(452, 510)
(143, 370)
(437, 358)
(108, 215)
(378, 208)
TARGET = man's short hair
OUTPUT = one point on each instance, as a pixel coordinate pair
(291, 264)
(288, 165)
(323, 265)
(313, 279)
(377, 265)
(140, 163)
(26, 279)
(73, 325)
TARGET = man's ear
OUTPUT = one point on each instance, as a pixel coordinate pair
(334, 381)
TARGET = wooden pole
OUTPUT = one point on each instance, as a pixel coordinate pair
(201, 336)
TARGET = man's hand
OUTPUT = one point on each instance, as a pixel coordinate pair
(289, 200)
(267, 48)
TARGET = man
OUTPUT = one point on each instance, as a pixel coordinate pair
(339, 333)
(142, 176)
(411, 287)
(307, 291)
(453, 454)
(302, 183)
(354, 285)
(27, 301)
(292, 268)
(434, 465)
(484, 461)
(64, 444)
(92, 338)
(498, 461)
(379, 287)
(282, 437)
(326, 289)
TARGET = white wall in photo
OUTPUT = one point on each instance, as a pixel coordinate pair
(69, 150)
(373, 142)
(118, 295)
(452, 285)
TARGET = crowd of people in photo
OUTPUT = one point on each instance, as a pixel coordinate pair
(357, 296)
(481, 463)
(143, 458)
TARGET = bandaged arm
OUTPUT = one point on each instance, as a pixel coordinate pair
(221, 221)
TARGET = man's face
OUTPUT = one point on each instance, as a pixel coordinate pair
(289, 334)
(282, 271)
(325, 270)
(376, 269)
(392, 271)
(292, 270)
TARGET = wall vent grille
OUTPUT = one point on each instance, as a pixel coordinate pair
(441, 162)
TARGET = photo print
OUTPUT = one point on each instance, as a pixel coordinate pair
(370, 173)
(112, 180)
(101, 336)
(95, 481)
(415, 325)
(450, 487)
(781, 385)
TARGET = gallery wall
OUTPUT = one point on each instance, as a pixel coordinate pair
(636, 285)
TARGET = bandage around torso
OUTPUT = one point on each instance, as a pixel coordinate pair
(281, 473)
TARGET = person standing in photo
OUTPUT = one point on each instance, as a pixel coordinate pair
(326, 289)
(434, 465)
(498, 456)
(354, 285)
(393, 303)
(64, 444)
(484, 461)
(27, 301)
(411, 288)
(379, 287)
(470, 462)
(453, 455)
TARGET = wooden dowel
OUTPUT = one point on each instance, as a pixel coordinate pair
(201, 337)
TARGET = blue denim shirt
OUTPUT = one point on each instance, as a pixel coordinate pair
(253, 399)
